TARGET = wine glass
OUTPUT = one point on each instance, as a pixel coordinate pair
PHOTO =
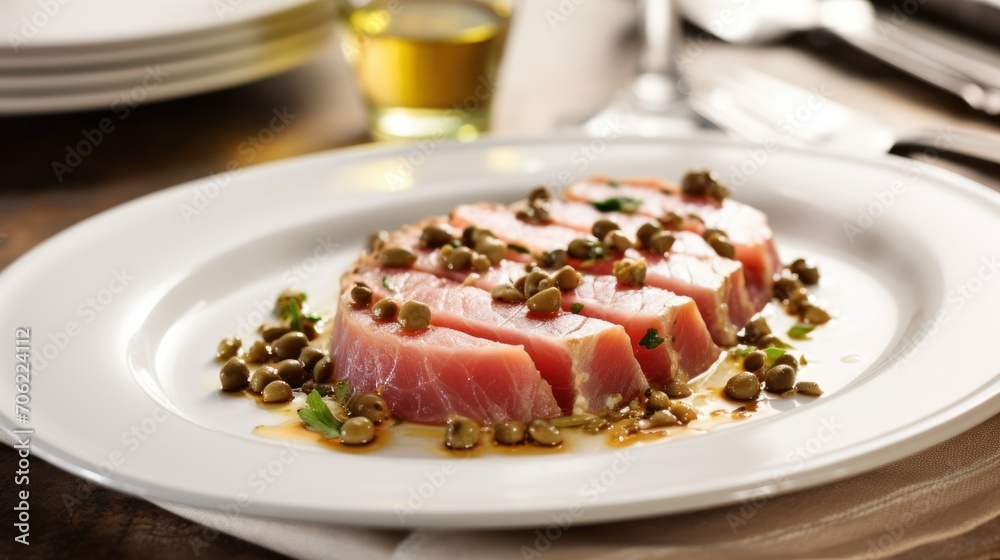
(655, 103)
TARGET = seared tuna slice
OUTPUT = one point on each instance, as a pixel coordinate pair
(585, 360)
(428, 375)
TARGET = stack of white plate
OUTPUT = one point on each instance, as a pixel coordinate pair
(63, 55)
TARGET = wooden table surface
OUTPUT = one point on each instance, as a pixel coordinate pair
(163, 144)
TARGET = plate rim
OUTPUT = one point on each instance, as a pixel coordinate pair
(913, 441)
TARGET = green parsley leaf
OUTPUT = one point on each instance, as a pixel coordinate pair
(618, 204)
(800, 331)
(388, 285)
(518, 248)
(773, 354)
(314, 317)
(742, 350)
(318, 418)
(340, 391)
(576, 308)
(294, 315)
(651, 340)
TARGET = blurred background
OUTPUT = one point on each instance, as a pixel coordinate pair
(107, 100)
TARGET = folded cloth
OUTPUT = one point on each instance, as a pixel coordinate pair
(943, 502)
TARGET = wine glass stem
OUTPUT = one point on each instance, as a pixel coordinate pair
(659, 38)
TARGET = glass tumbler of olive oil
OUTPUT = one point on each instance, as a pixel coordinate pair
(427, 68)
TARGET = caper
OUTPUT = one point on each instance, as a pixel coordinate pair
(434, 236)
(480, 263)
(754, 360)
(276, 392)
(601, 228)
(778, 379)
(808, 388)
(646, 231)
(537, 214)
(662, 418)
(323, 369)
(291, 372)
(786, 360)
(445, 252)
(507, 292)
(544, 433)
(308, 386)
(509, 432)
(567, 278)
(357, 431)
(756, 328)
(539, 194)
(270, 333)
(769, 340)
(785, 286)
(310, 356)
(228, 348)
(548, 300)
(233, 375)
(704, 183)
(657, 400)
(808, 274)
(289, 345)
(678, 389)
(672, 221)
(617, 240)
(492, 248)
(519, 283)
(661, 242)
(361, 294)
(583, 248)
(573, 420)
(414, 316)
(259, 352)
(684, 412)
(385, 310)
(471, 234)
(533, 282)
(285, 299)
(630, 271)
(309, 327)
(815, 315)
(461, 433)
(262, 377)
(556, 258)
(743, 387)
(596, 426)
(369, 405)
(397, 257)
(460, 259)
(722, 246)
(376, 240)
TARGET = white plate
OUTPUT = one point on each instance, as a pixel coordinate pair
(127, 397)
(31, 27)
(157, 82)
(125, 77)
(83, 58)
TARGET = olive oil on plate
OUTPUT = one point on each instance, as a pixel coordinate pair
(427, 67)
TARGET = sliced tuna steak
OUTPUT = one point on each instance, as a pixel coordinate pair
(715, 284)
(428, 375)
(584, 359)
(687, 350)
(746, 226)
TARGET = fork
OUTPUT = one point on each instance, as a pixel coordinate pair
(762, 109)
